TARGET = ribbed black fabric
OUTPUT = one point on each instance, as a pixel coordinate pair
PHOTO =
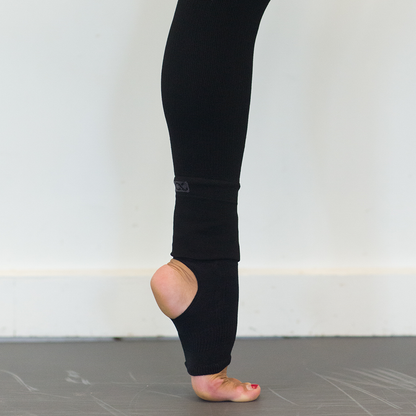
(206, 84)
(205, 220)
(208, 327)
(206, 89)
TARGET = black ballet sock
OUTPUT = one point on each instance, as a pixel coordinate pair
(207, 328)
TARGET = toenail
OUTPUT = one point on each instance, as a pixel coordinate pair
(254, 386)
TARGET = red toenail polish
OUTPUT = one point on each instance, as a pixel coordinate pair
(254, 386)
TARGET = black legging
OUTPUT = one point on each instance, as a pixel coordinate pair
(206, 88)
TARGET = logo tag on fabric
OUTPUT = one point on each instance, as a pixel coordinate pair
(181, 186)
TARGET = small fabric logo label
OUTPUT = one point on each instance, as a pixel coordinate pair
(181, 186)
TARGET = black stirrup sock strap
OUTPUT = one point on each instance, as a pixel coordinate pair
(205, 225)
(207, 329)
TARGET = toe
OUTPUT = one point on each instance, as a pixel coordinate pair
(250, 392)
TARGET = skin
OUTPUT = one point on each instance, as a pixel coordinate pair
(174, 287)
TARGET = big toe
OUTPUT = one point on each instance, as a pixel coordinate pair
(246, 392)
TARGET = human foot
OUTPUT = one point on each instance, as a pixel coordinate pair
(218, 388)
(174, 286)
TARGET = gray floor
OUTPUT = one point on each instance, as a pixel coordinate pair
(299, 377)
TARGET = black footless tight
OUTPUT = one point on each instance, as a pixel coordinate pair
(206, 87)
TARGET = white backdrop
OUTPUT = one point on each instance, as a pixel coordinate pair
(328, 184)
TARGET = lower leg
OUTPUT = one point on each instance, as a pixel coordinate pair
(206, 86)
(204, 313)
(174, 287)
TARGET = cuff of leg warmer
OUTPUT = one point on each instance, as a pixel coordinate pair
(205, 220)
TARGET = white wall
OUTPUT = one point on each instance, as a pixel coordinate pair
(328, 180)
(332, 138)
(83, 141)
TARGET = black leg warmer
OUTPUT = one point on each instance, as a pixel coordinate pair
(206, 88)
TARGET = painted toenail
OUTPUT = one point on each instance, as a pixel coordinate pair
(254, 386)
